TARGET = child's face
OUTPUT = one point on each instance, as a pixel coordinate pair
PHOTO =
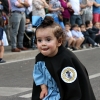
(76, 28)
(97, 25)
(83, 28)
(67, 27)
(47, 43)
(90, 25)
(27, 20)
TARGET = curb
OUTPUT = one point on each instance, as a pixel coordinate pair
(25, 55)
(14, 56)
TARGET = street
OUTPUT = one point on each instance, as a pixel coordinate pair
(16, 77)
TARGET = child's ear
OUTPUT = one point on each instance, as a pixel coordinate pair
(60, 41)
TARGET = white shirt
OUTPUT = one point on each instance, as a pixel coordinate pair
(29, 9)
(77, 34)
(69, 34)
(75, 6)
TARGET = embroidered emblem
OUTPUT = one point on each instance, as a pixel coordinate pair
(68, 75)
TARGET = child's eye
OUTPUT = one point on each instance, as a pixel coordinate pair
(48, 39)
(39, 40)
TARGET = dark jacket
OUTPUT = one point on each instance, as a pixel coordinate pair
(75, 87)
(93, 30)
(85, 33)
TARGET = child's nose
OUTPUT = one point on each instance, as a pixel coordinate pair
(43, 42)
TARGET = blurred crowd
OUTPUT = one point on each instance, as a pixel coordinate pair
(80, 19)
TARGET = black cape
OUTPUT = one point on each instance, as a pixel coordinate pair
(80, 89)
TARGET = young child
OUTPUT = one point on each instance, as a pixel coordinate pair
(93, 31)
(70, 39)
(29, 35)
(76, 33)
(89, 26)
(58, 74)
(88, 39)
(1, 43)
(96, 28)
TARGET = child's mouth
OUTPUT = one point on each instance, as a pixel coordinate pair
(45, 49)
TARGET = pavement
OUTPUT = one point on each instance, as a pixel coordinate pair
(15, 56)
(16, 77)
(24, 55)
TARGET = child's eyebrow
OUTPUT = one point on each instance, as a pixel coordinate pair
(48, 37)
(45, 37)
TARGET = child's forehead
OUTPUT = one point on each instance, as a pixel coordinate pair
(44, 32)
(67, 25)
(82, 25)
(76, 27)
(97, 23)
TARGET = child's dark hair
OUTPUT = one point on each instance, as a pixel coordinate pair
(67, 23)
(82, 25)
(73, 26)
(1, 21)
(57, 30)
(87, 23)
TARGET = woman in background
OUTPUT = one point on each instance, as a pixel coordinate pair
(56, 9)
(65, 13)
(38, 8)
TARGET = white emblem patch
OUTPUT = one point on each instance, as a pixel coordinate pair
(68, 74)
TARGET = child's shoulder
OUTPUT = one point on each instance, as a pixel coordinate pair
(67, 54)
(39, 57)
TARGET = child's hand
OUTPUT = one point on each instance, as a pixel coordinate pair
(44, 91)
(20, 1)
(78, 29)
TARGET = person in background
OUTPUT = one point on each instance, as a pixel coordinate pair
(38, 11)
(29, 10)
(99, 25)
(89, 26)
(76, 33)
(86, 6)
(29, 34)
(38, 8)
(87, 37)
(1, 43)
(66, 15)
(76, 17)
(6, 11)
(5, 6)
(96, 28)
(96, 11)
(92, 30)
(17, 21)
(1, 7)
(56, 9)
(69, 38)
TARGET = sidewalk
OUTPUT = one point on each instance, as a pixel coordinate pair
(23, 55)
